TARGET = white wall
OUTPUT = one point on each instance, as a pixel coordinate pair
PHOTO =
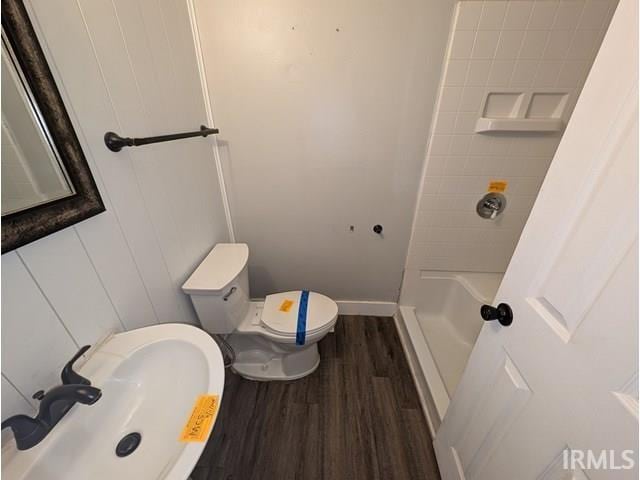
(497, 46)
(127, 66)
(323, 109)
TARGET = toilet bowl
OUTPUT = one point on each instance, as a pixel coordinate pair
(274, 339)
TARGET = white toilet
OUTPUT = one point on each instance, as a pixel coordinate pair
(273, 340)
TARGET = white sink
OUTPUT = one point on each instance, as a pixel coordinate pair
(150, 380)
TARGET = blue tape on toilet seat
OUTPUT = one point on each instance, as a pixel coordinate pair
(301, 330)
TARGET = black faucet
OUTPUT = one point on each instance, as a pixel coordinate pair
(69, 376)
(54, 405)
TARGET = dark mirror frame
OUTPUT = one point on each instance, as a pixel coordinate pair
(25, 226)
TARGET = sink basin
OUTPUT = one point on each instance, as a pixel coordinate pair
(151, 379)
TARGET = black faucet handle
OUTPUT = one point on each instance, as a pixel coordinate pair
(27, 431)
(69, 376)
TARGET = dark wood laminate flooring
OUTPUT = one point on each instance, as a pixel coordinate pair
(356, 417)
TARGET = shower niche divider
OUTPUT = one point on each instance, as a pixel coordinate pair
(523, 111)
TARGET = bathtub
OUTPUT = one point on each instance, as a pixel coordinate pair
(439, 322)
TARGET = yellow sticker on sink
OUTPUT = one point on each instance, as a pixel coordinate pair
(286, 305)
(202, 417)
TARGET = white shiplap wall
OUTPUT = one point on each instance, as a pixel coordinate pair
(127, 66)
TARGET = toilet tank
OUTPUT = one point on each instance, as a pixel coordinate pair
(219, 288)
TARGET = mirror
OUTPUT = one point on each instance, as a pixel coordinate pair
(46, 181)
(32, 172)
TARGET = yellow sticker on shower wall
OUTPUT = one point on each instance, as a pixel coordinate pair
(497, 186)
(286, 305)
(202, 416)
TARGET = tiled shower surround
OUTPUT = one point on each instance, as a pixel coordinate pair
(501, 47)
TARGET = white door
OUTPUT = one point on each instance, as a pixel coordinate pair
(564, 375)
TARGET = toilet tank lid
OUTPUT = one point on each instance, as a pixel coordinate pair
(219, 268)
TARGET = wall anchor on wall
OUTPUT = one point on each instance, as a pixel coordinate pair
(377, 229)
(115, 142)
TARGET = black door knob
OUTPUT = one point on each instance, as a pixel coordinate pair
(502, 313)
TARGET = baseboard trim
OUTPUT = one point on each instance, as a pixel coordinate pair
(367, 308)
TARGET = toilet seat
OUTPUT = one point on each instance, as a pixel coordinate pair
(280, 313)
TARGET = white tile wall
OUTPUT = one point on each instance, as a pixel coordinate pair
(547, 44)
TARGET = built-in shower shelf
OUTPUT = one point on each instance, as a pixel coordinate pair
(485, 125)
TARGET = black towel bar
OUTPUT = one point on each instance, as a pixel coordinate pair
(115, 142)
